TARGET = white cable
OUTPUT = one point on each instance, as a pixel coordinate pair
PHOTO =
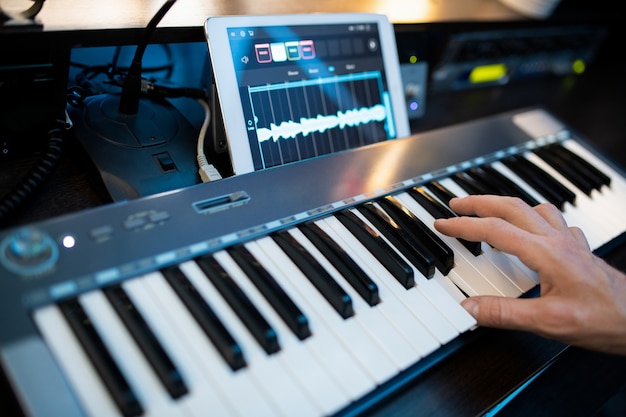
(206, 170)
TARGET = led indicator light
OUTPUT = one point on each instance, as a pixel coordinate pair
(487, 73)
(578, 66)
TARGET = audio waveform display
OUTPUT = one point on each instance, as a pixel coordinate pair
(291, 129)
(303, 119)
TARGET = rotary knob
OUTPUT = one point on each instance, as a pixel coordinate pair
(28, 251)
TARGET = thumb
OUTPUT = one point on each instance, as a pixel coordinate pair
(501, 312)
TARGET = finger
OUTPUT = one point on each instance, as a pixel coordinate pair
(503, 312)
(579, 235)
(511, 209)
(552, 215)
(496, 232)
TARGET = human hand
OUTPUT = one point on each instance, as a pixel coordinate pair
(582, 299)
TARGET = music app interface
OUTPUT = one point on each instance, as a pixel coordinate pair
(310, 90)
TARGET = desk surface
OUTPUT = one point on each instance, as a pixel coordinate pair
(74, 15)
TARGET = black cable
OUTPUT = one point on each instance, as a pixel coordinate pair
(32, 181)
(131, 90)
(168, 67)
(115, 73)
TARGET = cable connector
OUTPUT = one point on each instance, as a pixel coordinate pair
(207, 171)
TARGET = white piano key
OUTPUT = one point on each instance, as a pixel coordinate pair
(238, 387)
(204, 396)
(296, 357)
(395, 352)
(133, 365)
(83, 378)
(591, 208)
(465, 278)
(328, 348)
(407, 309)
(449, 288)
(348, 332)
(413, 298)
(611, 198)
(618, 180)
(268, 371)
(512, 284)
(616, 192)
(581, 213)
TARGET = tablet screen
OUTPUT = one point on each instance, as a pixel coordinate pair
(296, 87)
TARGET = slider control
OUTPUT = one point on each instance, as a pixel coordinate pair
(221, 202)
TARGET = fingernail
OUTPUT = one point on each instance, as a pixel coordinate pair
(471, 306)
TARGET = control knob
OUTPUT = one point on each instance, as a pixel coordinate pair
(28, 251)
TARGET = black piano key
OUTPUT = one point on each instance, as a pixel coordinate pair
(400, 239)
(293, 317)
(212, 326)
(441, 192)
(254, 321)
(569, 171)
(442, 254)
(599, 178)
(105, 365)
(439, 211)
(554, 191)
(430, 204)
(603, 177)
(163, 366)
(346, 266)
(377, 246)
(503, 184)
(471, 185)
(319, 277)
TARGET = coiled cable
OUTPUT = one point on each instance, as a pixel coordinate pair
(36, 176)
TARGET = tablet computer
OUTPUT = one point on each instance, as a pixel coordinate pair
(293, 87)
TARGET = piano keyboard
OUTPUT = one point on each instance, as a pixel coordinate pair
(299, 290)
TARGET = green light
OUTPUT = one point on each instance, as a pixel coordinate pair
(487, 73)
(578, 66)
(412, 59)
